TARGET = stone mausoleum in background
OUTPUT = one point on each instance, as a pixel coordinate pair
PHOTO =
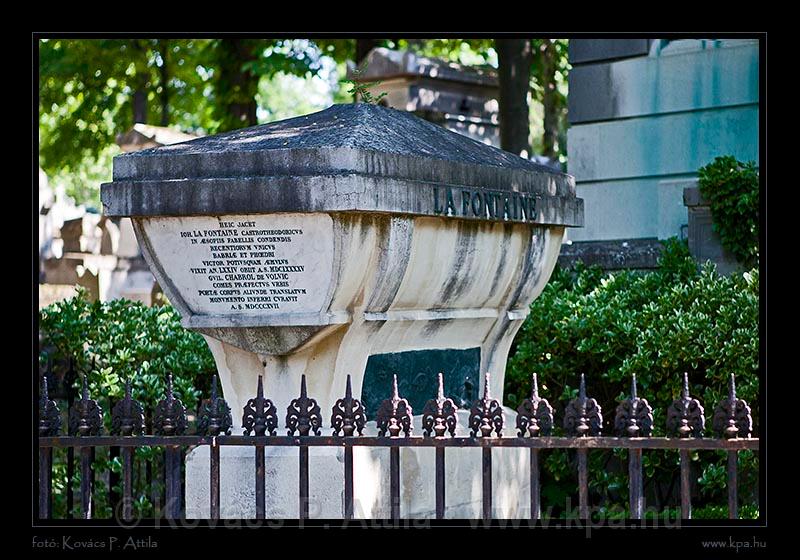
(460, 98)
(80, 247)
(644, 116)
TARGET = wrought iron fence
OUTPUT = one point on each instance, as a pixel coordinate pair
(582, 423)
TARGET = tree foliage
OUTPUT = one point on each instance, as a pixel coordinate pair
(469, 52)
(90, 90)
(549, 70)
(242, 63)
(87, 87)
(657, 325)
(120, 339)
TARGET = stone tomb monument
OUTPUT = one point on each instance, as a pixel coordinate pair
(358, 240)
(460, 98)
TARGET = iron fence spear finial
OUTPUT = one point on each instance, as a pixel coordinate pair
(732, 418)
(169, 417)
(394, 414)
(486, 413)
(534, 415)
(634, 416)
(86, 416)
(303, 413)
(259, 415)
(215, 418)
(685, 416)
(686, 385)
(348, 414)
(439, 414)
(127, 416)
(49, 415)
(583, 416)
(582, 390)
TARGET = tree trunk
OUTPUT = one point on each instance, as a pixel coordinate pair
(139, 100)
(514, 59)
(236, 87)
(164, 79)
(363, 46)
(547, 55)
(140, 106)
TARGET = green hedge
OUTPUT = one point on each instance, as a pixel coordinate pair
(657, 325)
(110, 342)
(121, 339)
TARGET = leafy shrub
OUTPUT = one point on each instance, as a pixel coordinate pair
(121, 339)
(731, 188)
(657, 325)
(111, 342)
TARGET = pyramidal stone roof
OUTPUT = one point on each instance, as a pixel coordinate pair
(359, 126)
(296, 160)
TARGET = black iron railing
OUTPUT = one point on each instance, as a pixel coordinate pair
(582, 422)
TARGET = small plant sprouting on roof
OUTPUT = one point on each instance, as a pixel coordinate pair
(361, 90)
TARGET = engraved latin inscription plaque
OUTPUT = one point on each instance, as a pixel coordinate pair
(270, 264)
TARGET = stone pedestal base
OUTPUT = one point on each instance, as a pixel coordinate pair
(510, 481)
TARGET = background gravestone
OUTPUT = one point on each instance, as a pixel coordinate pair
(704, 242)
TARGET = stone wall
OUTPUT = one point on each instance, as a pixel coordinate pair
(645, 115)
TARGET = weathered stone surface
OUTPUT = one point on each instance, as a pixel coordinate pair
(348, 158)
(645, 118)
(383, 63)
(386, 233)
(704, 242)
(612, 255)
(591, 50)
(188, 256)
(652, 85)
(396, 285)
